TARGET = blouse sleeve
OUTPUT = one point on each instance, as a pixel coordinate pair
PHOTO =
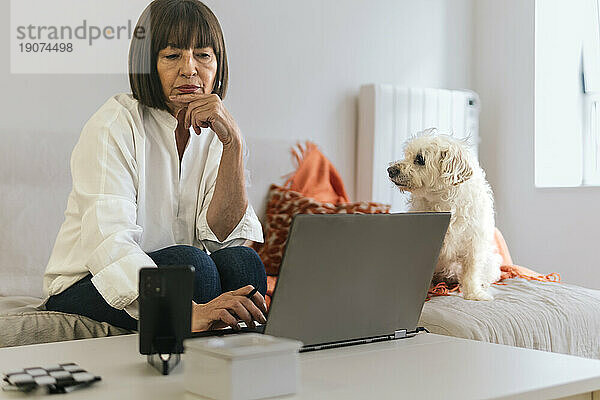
(249, 227)
(104, 183)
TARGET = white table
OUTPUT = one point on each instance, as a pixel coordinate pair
(427, 366)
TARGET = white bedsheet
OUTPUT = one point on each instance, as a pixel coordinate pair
(538, 315)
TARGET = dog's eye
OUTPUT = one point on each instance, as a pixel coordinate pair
(419, 159)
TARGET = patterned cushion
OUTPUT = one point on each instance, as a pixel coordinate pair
(283, 204)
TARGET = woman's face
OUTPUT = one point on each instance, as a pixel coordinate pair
(186, 71)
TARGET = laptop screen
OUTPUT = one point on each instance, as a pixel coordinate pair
(346, 277)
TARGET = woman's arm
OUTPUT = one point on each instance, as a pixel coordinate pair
(103, 168)
(229, 200)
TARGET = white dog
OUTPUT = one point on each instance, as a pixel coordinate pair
(442, 175)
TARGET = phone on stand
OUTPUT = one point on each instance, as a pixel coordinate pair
(165, 312)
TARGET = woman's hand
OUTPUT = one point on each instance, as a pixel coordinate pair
(208, 111)
(228, 308)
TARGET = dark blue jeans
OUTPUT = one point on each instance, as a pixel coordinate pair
(224, 270)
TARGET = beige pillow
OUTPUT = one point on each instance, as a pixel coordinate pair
(22, 323)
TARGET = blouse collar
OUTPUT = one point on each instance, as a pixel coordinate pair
(164, 117)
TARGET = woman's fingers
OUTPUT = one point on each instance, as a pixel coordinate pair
(211, 316)
(256, 301)
(241, 311)
(198, 107)
(260, 302)
(207, 110)
(195, 100)
(247, 310)
(257, 314)
(243, 291)
(257, 298)
(202, 117)
(225, 316)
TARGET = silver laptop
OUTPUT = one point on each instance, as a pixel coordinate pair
(358, 278)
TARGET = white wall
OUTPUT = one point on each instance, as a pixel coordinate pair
(296, 67)
(42, 116)
(549, 230)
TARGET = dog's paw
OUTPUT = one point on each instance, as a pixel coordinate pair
(477, 295)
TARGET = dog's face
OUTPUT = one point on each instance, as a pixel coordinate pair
(432, 163)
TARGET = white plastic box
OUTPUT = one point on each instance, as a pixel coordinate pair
(241, 367)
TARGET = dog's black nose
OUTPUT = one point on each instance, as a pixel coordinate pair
(393, 171)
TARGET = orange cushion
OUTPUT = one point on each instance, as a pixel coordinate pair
(502, 248)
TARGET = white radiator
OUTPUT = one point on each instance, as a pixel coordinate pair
(389, 115)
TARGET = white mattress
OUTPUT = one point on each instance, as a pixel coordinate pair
(538, 315)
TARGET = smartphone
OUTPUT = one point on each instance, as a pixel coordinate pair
(165, 308)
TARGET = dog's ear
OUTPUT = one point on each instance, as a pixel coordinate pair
(455, 167)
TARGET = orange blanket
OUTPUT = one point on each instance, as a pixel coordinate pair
(316, 177)
(507, 270)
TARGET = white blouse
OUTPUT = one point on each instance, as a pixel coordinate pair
(130, 197)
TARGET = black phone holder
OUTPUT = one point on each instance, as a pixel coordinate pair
(164, 361)
(165, 301)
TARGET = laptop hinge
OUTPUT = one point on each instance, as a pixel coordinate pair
(400, 334)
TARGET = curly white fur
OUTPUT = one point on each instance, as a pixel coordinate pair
(442, 175)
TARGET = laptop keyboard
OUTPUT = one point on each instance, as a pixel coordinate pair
(229, 331)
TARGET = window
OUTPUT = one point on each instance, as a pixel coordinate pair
(567, 93)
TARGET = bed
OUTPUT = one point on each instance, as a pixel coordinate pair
(547, 316)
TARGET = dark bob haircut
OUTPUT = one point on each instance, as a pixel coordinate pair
(182, 24)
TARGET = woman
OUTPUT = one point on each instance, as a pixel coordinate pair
(158, 179)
